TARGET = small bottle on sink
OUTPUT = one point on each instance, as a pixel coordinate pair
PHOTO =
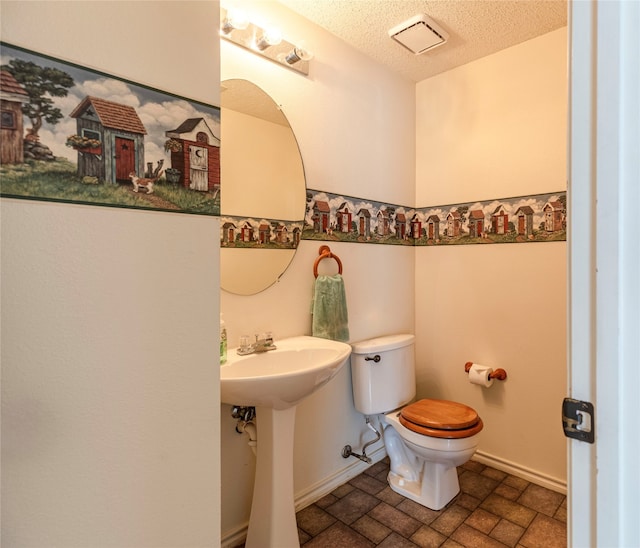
(223, 341)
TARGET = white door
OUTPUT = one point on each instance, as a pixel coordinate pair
(198, 168)
(604, 261)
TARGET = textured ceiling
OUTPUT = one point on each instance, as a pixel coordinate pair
(476, 27)
(244, 96)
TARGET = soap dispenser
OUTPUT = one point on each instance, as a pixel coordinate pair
(223, 341)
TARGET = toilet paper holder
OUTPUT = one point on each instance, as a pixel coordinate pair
(499, 374)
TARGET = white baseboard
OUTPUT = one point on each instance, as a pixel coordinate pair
(311, 494)
(235, 537)
(543, 480)
(315, 492)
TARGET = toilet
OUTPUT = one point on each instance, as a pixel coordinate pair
(425, 440)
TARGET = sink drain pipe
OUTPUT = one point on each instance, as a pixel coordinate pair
(250, 429)
(347, 451)
(245, 424)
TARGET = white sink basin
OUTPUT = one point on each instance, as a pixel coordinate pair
(274, 382)
(283, 377)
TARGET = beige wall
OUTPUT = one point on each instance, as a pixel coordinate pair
(496, 128)
(110, 405)
(352, 143)
(258, 176)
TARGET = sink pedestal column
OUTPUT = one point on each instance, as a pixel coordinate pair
(273, 516)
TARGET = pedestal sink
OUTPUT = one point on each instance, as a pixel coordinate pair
(275, 382)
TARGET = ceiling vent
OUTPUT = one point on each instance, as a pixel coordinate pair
(419, 34)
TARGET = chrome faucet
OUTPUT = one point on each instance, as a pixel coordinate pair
(261, 345)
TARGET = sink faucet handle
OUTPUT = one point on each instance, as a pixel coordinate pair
(264, 338)
(244, 342)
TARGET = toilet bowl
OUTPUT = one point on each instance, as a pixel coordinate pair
(423, 466)
(425, 440)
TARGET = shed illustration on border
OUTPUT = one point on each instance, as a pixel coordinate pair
(228, 232)
(12, 97)
(296, 236)
(282, 233)
(247, 232)
(264, 233)
(401, 226)
(454, 221)
(416, 227)
(524, 215)
(476, 223)
(364, 223)
(500, 220)
(109, 140)
(433, 227)
(344, 218)
(195, 155)
(321, 216)
(384, 222)
(553, 216)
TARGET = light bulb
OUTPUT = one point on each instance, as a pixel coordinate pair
(270, 37)
(299, 53)
(236, 19)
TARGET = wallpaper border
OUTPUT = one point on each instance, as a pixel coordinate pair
(522, 219)
(339, 218)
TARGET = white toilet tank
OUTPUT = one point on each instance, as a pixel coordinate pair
(383, 373)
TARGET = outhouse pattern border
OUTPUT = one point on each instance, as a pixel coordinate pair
(523, 219)
(263, 233)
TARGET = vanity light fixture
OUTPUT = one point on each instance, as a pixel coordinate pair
(267, 43)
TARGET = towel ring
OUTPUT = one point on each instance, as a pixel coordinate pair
(325, 253)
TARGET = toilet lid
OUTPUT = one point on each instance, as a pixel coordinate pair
(441, 419)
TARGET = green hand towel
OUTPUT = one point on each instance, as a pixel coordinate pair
(329, 309)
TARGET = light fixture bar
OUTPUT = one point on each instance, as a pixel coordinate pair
(252, 38)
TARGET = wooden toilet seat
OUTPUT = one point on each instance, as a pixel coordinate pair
(441, 419)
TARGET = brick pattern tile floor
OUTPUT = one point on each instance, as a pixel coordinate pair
(493, 509)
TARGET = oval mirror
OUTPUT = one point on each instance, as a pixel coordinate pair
(263, 189)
